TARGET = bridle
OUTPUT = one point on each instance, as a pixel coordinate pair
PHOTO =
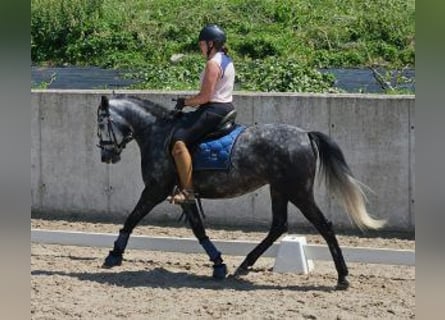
(117, 147)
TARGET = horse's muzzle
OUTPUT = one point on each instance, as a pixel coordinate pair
(108, 156)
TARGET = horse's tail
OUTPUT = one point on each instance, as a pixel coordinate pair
(339, 179)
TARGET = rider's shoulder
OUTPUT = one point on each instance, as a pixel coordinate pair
(213, 64)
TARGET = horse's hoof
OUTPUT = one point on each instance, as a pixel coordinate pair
(240, 271)
(112, 260)
(342, 284)
(219, 271)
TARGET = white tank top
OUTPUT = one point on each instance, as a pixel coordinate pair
(224, 86)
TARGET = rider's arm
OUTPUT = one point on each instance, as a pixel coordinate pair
(211, 76)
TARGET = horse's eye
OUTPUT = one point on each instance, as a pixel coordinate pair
(101, 126)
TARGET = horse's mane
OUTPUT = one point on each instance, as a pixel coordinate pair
(154, 108)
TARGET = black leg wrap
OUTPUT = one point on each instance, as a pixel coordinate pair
(219, 268)
(193, 215)
(212, 252)
(121, 242)
(115, 256)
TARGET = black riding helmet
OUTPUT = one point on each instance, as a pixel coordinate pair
(212, 32)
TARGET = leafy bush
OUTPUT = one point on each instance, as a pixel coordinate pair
(274, 74)
(257, 47)
(167, 76)
(269, 40)
(270, 74)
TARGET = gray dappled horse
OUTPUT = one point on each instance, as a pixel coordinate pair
(282, 156)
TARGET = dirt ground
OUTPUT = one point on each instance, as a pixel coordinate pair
(67, 282)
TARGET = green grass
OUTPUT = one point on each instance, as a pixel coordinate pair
(276, 45)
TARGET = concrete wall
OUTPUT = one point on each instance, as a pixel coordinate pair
(376, 134)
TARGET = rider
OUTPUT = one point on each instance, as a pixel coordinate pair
(213, 102)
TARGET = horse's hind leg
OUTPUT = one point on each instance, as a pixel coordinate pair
(279, 226)
(311, 211)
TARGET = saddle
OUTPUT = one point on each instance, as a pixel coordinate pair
(225, 126)
(214, 152)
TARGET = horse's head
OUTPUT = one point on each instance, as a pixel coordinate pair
(113, 132)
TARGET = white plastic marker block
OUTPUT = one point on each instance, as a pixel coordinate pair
(291, 256)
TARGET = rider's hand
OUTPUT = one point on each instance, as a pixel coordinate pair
(180, 104)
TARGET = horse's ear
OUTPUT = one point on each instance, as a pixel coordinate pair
(104, 103)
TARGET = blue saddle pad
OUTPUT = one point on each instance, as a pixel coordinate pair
(214, 154)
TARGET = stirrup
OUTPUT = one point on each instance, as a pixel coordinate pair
(181, 196)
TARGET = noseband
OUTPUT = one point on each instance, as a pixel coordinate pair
(117, 147)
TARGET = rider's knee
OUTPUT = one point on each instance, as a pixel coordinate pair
(178, 148)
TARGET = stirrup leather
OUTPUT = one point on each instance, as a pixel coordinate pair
(180, 196)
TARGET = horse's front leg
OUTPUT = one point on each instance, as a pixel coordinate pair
(194, 219)
(146, 203)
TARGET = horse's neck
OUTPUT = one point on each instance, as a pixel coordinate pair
(149, 131)
(153, 135)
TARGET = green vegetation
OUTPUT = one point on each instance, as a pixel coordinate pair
(44, 84)
(277, 45)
